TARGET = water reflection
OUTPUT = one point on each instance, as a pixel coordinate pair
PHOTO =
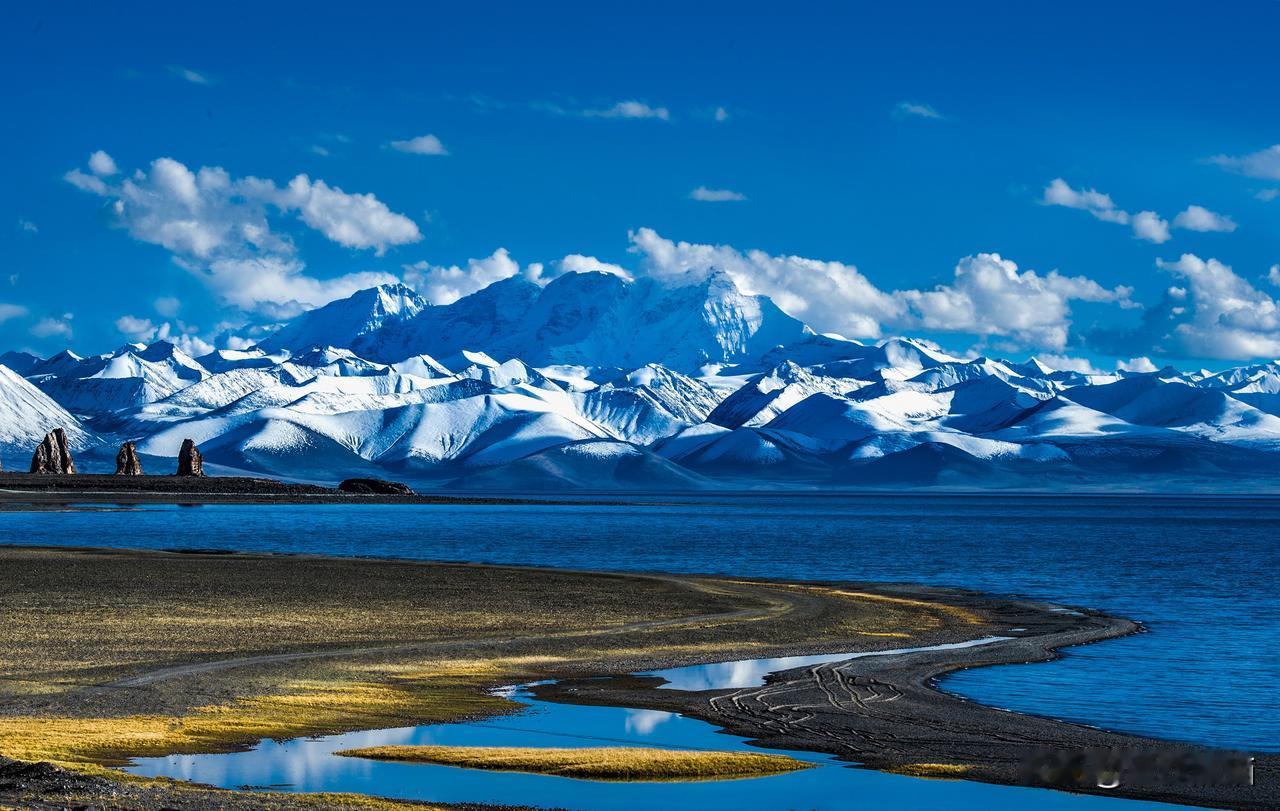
(644, 722)
(310, 765)
(751, 672)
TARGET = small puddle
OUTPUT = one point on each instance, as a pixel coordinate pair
(310, 765)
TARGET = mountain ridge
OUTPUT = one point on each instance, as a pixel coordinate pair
(597, 381)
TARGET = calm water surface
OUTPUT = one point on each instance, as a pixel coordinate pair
(1200, 572)
(310, 765)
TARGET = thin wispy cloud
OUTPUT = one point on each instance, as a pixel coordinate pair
(916, 109)
(1265, 163)
(168, 306)
(53, 325)
(705, 195)
(27, 226)
(630, 109)
(421, 145)
(190, 75)
(721, 115)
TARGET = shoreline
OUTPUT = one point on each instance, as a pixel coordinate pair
(30, 491)
(892, 714)
(34, 491)
(883, 712)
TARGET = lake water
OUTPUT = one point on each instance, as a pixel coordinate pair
(1198, 571)
(309, 764)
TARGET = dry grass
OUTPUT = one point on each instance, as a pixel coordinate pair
(941, 770)
(71, 621)
(624, 763)
(71, 617)
(301, 709)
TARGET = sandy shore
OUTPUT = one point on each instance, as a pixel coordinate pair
(112, 654)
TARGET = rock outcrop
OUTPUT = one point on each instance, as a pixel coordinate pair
(53, 454)
(190, 462)
(375, 487)
(127, 462)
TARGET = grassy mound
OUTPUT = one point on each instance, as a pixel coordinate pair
(600, 763)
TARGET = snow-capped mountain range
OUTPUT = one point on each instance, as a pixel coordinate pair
(594, 381)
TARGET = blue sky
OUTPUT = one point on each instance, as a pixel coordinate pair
(897, 141)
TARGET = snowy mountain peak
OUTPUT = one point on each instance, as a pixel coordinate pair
(594, 320)
(339, 323)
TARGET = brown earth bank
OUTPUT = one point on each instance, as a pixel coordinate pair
(112, 654)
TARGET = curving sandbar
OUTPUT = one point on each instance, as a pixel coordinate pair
(618, 763)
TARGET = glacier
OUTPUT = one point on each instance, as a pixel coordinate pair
(597, 382)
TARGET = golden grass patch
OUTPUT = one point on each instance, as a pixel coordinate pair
(621, 763)
(930, 769)
(302, 708)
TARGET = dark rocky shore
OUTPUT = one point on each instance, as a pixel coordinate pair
(887, 713)
(28, 491)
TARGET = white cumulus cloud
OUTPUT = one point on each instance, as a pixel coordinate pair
(1146, 225)
(279, 288)
(1139, 364)
(1215, 313)
(138, 329)
(102, 164)
(1060, 193)
(1199, 218)
(421, 145)
(353, 220)
(441, 284)
(577, 263)
(988, 295)
(1149, 226)
(221, 229)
